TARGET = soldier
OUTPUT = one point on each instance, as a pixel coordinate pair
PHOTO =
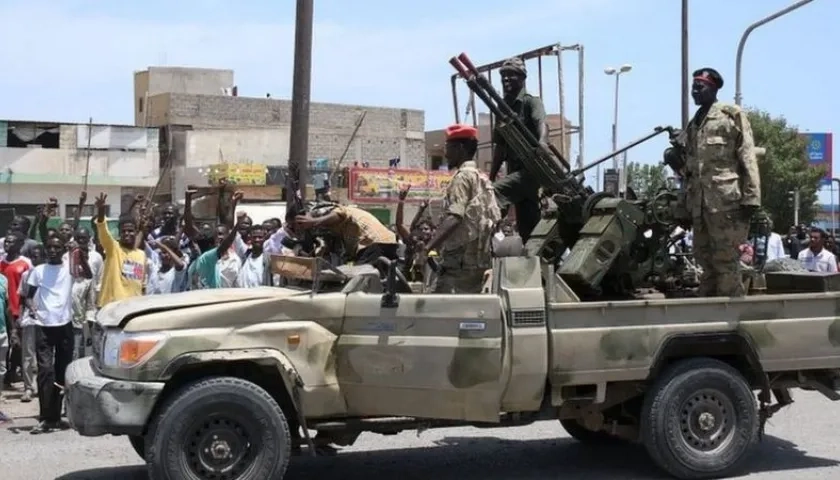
(722, 185)
(471, 215)
(518, 187)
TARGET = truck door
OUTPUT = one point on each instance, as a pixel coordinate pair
(432, 356)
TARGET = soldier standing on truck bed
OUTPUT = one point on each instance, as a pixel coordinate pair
(518, 187)
(471, 215)
(723, 188)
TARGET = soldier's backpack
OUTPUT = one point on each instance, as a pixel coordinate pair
(482, 215)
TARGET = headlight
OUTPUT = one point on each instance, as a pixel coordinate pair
(126, 350)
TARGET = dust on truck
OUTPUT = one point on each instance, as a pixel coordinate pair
(234, 382)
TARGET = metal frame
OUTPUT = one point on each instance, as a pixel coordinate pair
(554, 50)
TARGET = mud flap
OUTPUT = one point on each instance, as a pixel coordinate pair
(301, 418)
(766, 410)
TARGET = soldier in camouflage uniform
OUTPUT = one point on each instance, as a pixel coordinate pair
(470, 218)
(518, 188)
(722, 185)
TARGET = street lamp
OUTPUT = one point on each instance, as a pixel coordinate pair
(617, 73)
(833, 206)
(740, 53)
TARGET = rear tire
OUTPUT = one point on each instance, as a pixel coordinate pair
(219, 427)
(700, 420)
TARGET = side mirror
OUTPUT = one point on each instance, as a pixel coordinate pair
(390, 299)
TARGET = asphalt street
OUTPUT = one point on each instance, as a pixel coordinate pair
(802, 443)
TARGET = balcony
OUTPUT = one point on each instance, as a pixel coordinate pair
(62, 166)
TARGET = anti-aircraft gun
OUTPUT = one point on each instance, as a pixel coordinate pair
(616, 245)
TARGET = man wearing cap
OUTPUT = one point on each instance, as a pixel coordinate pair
(518, 187)
(470, 217)
(723, 188)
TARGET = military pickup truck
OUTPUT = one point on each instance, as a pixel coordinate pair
(231, 383)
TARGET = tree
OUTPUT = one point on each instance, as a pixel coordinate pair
(784, 168)
(646, 180)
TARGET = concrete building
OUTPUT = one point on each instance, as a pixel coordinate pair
(435, 140)
(39, 160)
(206, 124)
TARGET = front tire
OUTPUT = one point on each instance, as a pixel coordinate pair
(699, 420)
(221, 427)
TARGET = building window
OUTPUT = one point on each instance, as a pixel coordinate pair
(140, 104)
(32, 135)
(437, 162)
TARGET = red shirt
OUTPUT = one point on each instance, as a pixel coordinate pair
(13, 271)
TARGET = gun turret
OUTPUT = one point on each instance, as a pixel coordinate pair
(609, 252)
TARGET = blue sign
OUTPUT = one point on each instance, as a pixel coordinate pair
(819, 150)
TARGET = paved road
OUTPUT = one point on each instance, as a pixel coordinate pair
(802, 443)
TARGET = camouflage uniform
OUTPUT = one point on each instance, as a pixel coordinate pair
(466, 252)
(721, 178)
(518, 187)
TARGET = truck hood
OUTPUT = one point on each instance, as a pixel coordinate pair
(118, 313)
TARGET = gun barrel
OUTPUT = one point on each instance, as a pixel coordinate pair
(544, 162)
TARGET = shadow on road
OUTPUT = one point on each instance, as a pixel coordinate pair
(487, 458)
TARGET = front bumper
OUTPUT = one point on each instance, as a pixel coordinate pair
(98, 405)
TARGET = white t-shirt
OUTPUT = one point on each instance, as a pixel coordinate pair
(252, 272)
(824, 261)
(53, 300)
(170, 281)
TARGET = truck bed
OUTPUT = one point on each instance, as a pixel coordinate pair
(596, 342)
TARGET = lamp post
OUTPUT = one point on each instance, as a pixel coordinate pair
(833, 206)
(622, 177)
(747, 32)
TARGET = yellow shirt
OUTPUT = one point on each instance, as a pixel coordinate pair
(124, 270)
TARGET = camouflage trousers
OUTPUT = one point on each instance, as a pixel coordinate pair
(520, 190)
(717, 237)
(464, 280)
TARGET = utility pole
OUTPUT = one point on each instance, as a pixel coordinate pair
(684, 90)
(299, 138)
(794, 196)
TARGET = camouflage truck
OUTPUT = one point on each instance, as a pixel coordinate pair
(231, 383)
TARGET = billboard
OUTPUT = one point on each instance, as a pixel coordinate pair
(382, 185)
(819, 149)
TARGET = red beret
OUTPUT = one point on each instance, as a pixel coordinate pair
(461, 131)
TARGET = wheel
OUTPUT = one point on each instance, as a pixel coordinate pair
(587, 436)
(138, 443)
(699, 420)
(223, 428)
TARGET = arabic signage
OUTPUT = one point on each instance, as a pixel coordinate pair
(237, 173)
(382, 185)
(819, 149)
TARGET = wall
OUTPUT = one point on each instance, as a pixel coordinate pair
(59, 166)
(66, 194)
(385, 133)
(156, 80)
(68, 163)
(265, 146)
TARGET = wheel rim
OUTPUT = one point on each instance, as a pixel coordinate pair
(221, 446)
(707, 421)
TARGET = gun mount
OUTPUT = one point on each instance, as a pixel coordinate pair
(616, 245)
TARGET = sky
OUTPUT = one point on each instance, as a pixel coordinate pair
(68, 60)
